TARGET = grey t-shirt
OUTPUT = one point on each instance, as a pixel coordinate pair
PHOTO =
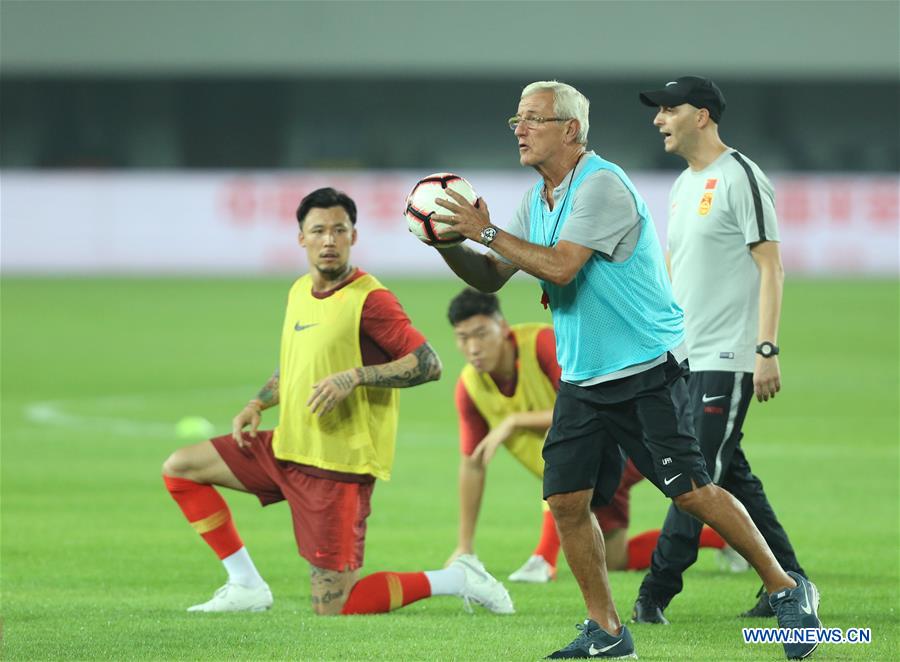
(603, 216)
(715, 215)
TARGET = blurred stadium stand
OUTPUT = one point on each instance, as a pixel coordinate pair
(162, 126)
(227, 122)
(812, 86)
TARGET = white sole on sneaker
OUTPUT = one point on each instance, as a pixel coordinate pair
(236, 598)
(535, 570)
(482, 588)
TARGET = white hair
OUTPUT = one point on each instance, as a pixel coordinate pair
(567, 102)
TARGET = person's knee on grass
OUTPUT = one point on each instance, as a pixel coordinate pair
(330, 590)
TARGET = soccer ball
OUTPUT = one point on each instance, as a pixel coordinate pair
(420, 206)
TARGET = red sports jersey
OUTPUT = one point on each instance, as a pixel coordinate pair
(385, 332)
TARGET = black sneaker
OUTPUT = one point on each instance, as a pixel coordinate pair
(648, 610)
(796, 608)
(762, 608)
(595, 642)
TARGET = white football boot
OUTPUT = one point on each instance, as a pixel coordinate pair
(234, 597)
(481, 587)
(729, 560)
(535, 571)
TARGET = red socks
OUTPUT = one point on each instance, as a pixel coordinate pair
(641, 546)
(207, 512)
(548, 546)
(385, 591)
(710, 538)
(640, 549)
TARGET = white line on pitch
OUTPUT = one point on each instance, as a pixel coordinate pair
(53, 412)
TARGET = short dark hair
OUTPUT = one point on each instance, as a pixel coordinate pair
(470, 303)
(325, 198)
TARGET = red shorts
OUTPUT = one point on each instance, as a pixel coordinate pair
(329, 516)
(615, 515)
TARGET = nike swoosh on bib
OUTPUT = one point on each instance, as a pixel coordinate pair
(711, 398)
(300, 327)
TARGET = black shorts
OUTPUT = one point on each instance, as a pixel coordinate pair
(648, 415)
(720, 402)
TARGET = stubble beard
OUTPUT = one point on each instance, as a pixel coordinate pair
(336, 273)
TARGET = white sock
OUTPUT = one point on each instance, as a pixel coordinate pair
(241, 570)
(448, 581)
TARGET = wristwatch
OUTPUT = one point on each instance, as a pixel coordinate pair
(767, 349)
(488, 235)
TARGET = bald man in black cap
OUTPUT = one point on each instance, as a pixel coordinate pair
(725, 264)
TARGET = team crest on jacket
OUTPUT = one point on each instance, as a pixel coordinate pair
(705, 203)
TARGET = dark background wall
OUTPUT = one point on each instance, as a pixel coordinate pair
(380, 123)
(810, 85)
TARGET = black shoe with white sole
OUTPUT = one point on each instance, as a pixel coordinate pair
(595, 642)
(797, 609)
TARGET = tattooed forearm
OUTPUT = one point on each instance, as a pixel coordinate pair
(344, 381)
(422, 365)
(268, 394)
(429, 363)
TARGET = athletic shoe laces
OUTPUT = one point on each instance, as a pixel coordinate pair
(583, 639)
(788, 611)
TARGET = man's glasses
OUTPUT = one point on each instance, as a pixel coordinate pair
(532, 122)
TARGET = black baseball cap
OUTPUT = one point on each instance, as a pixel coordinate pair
(695, 90)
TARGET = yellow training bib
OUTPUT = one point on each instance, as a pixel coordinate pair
(319, 338)
(534, 392)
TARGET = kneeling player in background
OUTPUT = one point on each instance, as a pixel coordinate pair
(505, 396)
(346, 346)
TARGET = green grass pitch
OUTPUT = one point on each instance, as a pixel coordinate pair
(98, 563)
